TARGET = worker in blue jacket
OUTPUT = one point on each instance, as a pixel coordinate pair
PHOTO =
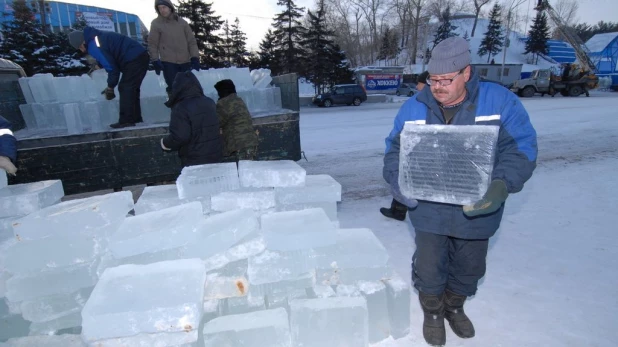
(8, 147)
(452, 240)
(117, 54)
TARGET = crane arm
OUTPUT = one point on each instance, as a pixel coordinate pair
(581, 51)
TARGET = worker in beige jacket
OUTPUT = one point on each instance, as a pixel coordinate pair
(171, 44)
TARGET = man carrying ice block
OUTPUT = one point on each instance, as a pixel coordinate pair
(8, 148)
(452, 240)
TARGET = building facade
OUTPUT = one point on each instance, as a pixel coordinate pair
(60, 16)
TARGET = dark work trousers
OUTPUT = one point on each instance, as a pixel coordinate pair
(170, 70)
(442, 262)
(129, 89)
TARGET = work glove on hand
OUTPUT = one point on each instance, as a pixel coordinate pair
(195, 64)
(397, 195)
(7, 165)
(158, 67)
(109, 93)
(492, 200)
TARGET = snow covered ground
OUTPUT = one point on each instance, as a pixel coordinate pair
(551, 276)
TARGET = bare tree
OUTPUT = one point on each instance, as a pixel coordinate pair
(371, 10)
(420, 20)
(437, 7)
(567, 11)
(478, 4)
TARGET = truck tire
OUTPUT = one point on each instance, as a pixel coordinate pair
(528, 92)
(575, 91)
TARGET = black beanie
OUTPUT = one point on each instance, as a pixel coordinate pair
(225, 88)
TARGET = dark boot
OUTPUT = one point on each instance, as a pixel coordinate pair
(455, 315)
(397, 211)
(433, 324)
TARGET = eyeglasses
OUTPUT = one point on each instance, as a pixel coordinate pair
(444, 82)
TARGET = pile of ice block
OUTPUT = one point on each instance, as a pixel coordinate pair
(75, 104)
(449, 164)
(247, 256)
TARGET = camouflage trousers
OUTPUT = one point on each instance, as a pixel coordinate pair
(249, 153)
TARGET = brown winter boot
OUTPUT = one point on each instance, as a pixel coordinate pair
(455, 315)
(433, 324)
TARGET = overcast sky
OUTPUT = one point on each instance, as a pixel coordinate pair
(256, 15)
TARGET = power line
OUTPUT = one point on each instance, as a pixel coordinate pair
(246, 15)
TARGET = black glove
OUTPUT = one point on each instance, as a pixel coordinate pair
(492, 200)
(158, 67)
(195, 64)
(109, 93)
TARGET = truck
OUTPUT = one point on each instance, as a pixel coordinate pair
(575, 79)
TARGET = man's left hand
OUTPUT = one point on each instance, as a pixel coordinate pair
(195, 64)
(492, 200)
(7, 165)
(109, 93)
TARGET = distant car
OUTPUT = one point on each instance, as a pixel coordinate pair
(342, 94)
(406, 89)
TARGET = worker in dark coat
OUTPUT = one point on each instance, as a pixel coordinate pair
(117, 54)
(8, 147)
(194, 125)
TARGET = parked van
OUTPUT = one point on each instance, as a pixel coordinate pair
(342, 94)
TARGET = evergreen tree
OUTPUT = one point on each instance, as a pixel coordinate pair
(317, 40)
(390, 45)
(239, 54)
(493, 41)
(288, 32)
(466, 36)
(24, 42)
(341, 72)
(538, 36)
(446, 29)
(268, 53)
(204, 24)
(69, 61)
(226, 45)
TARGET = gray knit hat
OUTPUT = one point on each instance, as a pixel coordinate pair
(450, 55)
(76, 38)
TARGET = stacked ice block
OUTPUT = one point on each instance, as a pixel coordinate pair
(449, 164)
(173, 275)
(75, 104)
(52, 259)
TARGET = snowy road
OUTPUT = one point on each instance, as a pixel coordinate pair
(551, 277)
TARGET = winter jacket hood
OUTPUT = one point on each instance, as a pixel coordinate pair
(185, 86)
(166, 3)
(194, 126)
(487, 103)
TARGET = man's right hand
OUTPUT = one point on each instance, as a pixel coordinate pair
(158, 67)
(7, 165)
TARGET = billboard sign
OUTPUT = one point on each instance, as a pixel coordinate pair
(98, 20)
(382, 82)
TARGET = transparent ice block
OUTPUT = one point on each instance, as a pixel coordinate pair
(47, 341)
(243, 250)
(160, 298)
(338, 321)
(52, 307)
(329, 207)
(272, 173)
(100, 214)
(294, 230)
(229, 281)
(157, 231)
(341, 263)
(449, 164)
(206, 180)
(271, 272)
(317, 188)
(377, 309)
(268, 328)
(159, 197)
(398, 301)
(244, 198)
(26, 198)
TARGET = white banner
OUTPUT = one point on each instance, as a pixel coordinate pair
(97, 20)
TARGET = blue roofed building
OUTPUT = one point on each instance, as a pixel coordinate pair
(604, 53)
(560, 51)
(60, 16)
